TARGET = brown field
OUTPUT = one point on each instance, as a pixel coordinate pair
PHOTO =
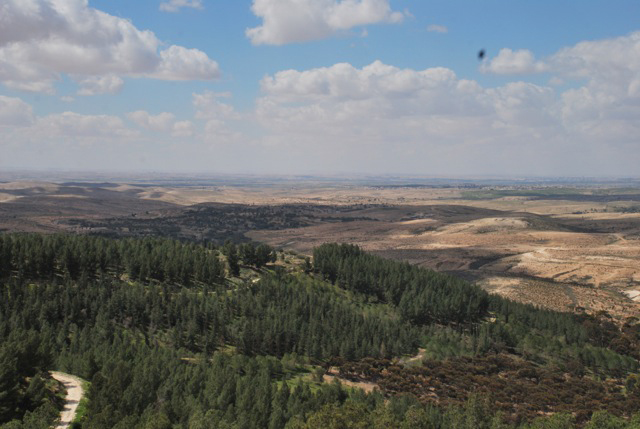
(561, 248)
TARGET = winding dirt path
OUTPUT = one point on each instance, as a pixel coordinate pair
(364, 385)
(74, 395)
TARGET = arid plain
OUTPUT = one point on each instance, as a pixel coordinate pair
(565, 247)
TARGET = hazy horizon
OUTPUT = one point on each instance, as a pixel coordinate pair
(249, 179)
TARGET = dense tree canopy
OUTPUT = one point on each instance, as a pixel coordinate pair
(174, 335)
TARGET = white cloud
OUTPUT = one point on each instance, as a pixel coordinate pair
(219, 118)
(209, 106)
(616, 58)
(556, 81)
(109, 84)
(161, 122)
(178, 63)
(513, 62)
(176, 5)
(382, 118)
(435, 28)
(376, 102)
(608, 105)
(525, 107)
(15, 112)
(183, 129)
(390, 86)
(40, 40)
(292, 21)
(82, 128)
(517, 127)
(396, 119)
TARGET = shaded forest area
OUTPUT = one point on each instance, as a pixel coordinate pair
(171, 335)
(216, 222)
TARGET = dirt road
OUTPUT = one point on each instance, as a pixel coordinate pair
(74, 394)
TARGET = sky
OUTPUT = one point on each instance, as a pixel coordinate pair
(322, 87)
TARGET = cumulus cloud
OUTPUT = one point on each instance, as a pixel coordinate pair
(15, 112)
(183, 129)
(218, 117)
(608, 105)
(42, 39)
(83, 128)
(372, 106)
(389, 119)
(605, 105)
(393, 91)
(519, 122)
(433, 112)
(293, 21)
(209, 106)
(617, 58)
(161, 122)
(93, 85)
(178, 63)
(435, 28)
(524, 106)
(513, 62)
(176, 5)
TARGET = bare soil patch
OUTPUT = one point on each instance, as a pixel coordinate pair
(332, 375)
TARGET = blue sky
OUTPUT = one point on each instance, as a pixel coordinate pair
(321, 86)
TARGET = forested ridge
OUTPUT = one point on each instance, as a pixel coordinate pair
(179, 335)
(424, 297)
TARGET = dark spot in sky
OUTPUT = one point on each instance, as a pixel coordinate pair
(481, 54)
